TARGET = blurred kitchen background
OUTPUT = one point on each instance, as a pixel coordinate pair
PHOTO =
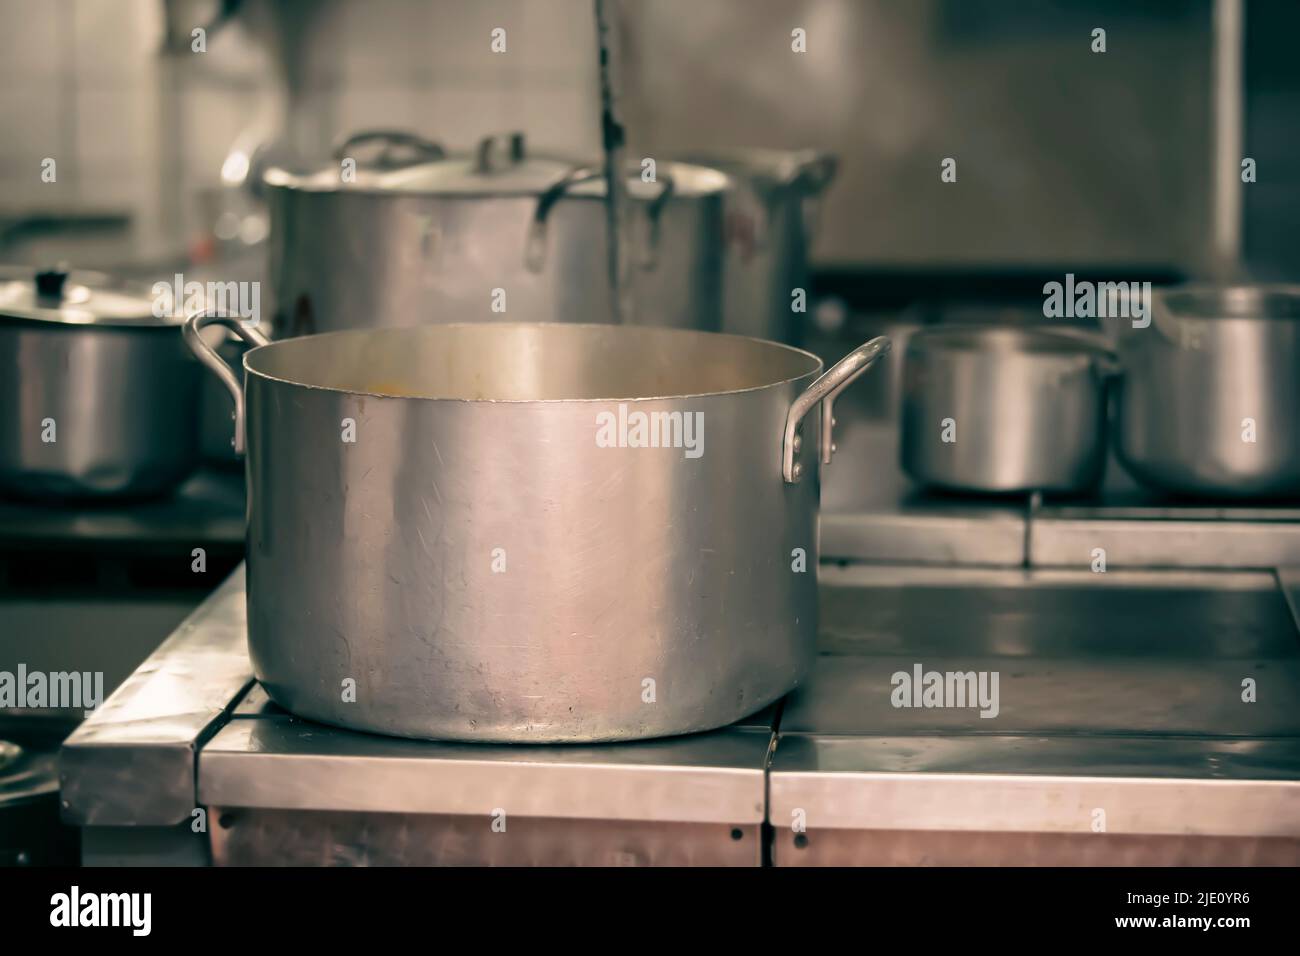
(1065, 157)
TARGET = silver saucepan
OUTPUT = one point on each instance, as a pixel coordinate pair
(98, 398)
(1210, 396)
(1005, 409)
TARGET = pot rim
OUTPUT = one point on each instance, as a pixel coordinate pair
(1052, 340)
(693, 182)
(818, 366)
(1215, 293)
(96, 325)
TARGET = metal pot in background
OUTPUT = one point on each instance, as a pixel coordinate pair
(1209, 401)
(771, 219)
(419, 237)
(999, 409)
(97, 396)
(486, 568)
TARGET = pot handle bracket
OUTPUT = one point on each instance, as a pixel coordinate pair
(654, 211)
(535, 244)
(391, 141)
(206, 354)
(825, 390)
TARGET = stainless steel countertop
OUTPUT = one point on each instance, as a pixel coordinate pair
(1037, 784)
(133, 760)
(207, 508)
(291, 764)
(871, 511)
(1118, 691)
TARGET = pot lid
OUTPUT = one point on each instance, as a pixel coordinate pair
(500, 166)
(75, 298)
(808, 170)
(689, 181)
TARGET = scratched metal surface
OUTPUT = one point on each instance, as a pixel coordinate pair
(1119, 711)
(373, 561)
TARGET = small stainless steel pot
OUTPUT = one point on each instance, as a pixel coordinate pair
(999, 409)
(97, 396)
(1209, 400)
(463, 532)
(421, 237)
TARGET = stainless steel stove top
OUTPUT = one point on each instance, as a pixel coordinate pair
(1119, 693)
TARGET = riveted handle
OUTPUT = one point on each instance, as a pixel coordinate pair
(418, 149)
(206, 354)
(825, 390)
(654, 211)
(535, 244)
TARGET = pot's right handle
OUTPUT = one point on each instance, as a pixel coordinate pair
(209, 357)
(825, 390)
(814, 177)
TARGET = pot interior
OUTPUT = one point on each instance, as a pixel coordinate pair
(1003, 339)
(517, 362)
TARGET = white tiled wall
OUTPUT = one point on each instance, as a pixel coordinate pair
(1064, 156)
(84, 81)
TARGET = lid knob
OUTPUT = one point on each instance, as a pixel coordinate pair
(486, 161)
(49, 283)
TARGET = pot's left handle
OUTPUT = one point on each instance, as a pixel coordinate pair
(209, 357)
(825, 390)
(535, 245)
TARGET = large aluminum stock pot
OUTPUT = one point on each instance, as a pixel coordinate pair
(532, 532)
(499, 235)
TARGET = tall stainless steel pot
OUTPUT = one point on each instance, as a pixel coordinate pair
(97, 395)
(436, 518)
(771, 215)
(498, 235)
(1209, 399)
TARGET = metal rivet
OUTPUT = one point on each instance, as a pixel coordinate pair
(798, 470)
(798, 442)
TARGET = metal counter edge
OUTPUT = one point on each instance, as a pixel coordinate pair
(132, 762)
